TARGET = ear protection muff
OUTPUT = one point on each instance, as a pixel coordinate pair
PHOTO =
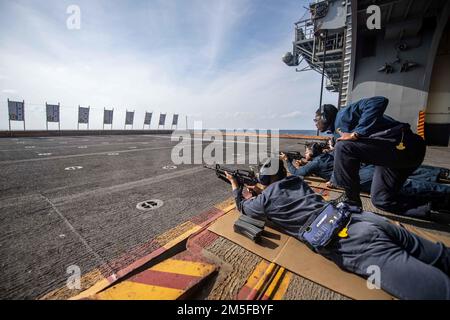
(327, 113)
(323, 115)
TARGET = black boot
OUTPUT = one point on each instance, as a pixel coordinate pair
(444, 176)
(441, 205)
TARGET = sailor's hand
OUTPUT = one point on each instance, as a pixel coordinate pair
(283, 156)
(348, 136)
(254, 190)
(232, 180)
(298, 163)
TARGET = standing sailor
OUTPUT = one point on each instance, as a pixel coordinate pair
(319, 163)
(365, 134)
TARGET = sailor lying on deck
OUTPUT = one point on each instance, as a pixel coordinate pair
(366, 135)
(411, 267)
(422, 183)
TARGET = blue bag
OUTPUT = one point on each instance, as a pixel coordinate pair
(326, 225)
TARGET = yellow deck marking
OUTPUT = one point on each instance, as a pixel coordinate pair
(226, 205)
(279, 285)
(171, 234)
(181, 237)
(128, 290)
(100, 285)
(259, 272)
(94, 277)
(265, 277)
(273, 284)
(284, 285)
(189, 268)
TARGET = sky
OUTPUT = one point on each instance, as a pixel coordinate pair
(215, 61)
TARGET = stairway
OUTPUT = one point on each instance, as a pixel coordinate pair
(343, 98)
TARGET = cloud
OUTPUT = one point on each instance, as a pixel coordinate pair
(293, 114)
(9, 91)
(225, 16)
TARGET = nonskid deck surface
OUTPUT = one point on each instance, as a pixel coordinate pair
(53, 218)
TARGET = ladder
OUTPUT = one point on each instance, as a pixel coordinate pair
(343, 97)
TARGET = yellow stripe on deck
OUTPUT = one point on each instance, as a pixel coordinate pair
(189, 268)
(279, 285)
(128, 290)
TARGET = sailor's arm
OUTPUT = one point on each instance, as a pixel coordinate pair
(307, 169)
(253, 207)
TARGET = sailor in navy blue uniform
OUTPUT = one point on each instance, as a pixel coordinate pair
(366, 135)
(411, 267)
(422, 183)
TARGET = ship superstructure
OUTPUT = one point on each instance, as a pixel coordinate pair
(398, 49)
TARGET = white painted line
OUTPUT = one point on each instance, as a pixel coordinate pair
(73, 168)
(102, 261)
(79, 155)
(178, 174)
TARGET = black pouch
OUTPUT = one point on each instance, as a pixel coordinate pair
(250, 227)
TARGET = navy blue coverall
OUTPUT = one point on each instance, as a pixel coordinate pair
(411, 267)
(379, 137)
(321, 166)
(422, 182)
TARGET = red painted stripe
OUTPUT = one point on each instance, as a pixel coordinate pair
(165, 279)
(253, 294)
(244, 293)
(197, 243)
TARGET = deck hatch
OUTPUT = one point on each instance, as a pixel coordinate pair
(150, 204)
